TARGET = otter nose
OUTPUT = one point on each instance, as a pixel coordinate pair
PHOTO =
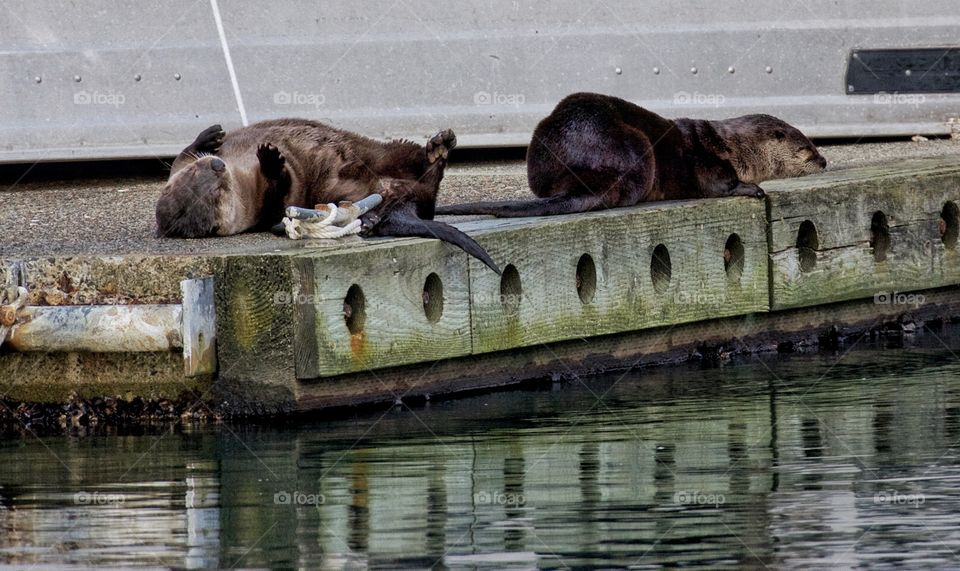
(822, 161)
(218, 165)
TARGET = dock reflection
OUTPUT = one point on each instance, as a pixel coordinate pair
(687, 466)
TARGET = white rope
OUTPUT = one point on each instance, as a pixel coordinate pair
(325, 227)
(320, 227)
(16, 298)
(327, 221)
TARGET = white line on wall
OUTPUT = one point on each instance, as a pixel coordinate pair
(226, 55)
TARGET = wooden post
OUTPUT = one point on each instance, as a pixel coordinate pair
(198, 327)
(255, 331)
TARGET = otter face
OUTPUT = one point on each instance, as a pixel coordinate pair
(197, 202)
(768, 148)
(792, 154)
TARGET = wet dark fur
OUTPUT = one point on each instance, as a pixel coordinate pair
(228, 183)
(596, 151)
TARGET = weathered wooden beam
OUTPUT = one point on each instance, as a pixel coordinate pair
(863, 232)
(592, 274)
(391, 302)
(255, 330)
(581, 357)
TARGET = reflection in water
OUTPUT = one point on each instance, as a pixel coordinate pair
(202, 505)
(797, 462)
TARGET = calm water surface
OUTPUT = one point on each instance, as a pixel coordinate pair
(792, 462)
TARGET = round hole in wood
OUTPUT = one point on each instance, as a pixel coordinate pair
(808, 242)
(733, 257)
(511, 290)
(354, 309)
(949, 224)
(660, 268)
(433, 298)
(879, 236)
(586, 278)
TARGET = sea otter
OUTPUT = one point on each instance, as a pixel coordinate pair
(227, 183)
(596, 151)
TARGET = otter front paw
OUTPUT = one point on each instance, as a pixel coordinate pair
(368, 222)
(210, 139)
(271, 160)
(439, 146)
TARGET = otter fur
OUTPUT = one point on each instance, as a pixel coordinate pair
(228, 183)
(597, 151)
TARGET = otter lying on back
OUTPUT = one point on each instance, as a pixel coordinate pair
(596, 151)
(228, 183)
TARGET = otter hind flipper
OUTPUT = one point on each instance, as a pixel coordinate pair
(440, 145)
(403, 222)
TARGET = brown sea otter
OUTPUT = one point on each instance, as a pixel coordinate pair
(596, 151)
(228, 183)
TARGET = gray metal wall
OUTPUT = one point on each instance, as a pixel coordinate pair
(100, 78)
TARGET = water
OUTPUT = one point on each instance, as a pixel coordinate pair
(793, 462)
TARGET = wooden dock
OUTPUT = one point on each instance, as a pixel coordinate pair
(321, 324)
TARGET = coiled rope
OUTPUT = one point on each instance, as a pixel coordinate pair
(327, 221)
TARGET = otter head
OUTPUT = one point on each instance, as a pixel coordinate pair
(763, 147)
(198, 201)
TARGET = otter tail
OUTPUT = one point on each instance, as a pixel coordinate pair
(519, 208)
(403, 222)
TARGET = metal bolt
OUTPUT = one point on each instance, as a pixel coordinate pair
(619, 71)
(38, 79)
(137, 77)
(769, 69)
(656, 71)
(906, 72)
(693, 70)
(176, 76)
(77, 78)
(731, 69)
(850, 89)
